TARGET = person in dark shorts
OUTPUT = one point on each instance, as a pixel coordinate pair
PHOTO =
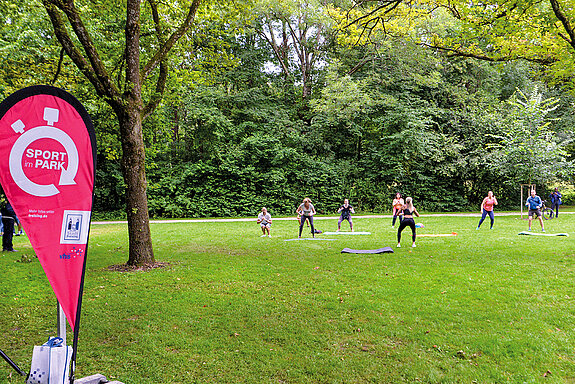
(408, 210)
(8, 220)
(346, 211)
(535, 203)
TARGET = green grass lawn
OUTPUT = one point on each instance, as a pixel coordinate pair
(484, 306)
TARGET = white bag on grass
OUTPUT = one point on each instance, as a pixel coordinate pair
(50, 363)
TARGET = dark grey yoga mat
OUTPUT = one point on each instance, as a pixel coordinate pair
(379, 250)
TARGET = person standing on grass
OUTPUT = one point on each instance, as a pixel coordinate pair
(306, 210)
(346, 211)
(534, 203)
(265, 221)
(8, 220)
(487, 209)
(555, 198)
(397, 205)
(407, 210)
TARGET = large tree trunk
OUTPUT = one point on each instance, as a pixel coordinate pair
(125, 99)
(133, 169)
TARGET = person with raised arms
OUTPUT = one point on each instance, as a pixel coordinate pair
(487, 209)
(306, 210)
(346, 211)
(407, 210)
(265, 221)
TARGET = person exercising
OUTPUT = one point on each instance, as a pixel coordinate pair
(487, 209)
(397, 204)
(265, 221)
(306, 210)
(346, 211)
(535, 203)
(555, 198)
(407, 210)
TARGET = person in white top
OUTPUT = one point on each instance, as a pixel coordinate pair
(265, 221)
(306, 210)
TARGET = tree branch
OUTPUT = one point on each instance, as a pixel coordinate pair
(159, 91)
(59, 68)
(387, 6)
(452, 52)
(165, 48)
(163, 75)
(132, 52)
(156, 17)
(106, 85)
(71, 50)
(272, 42)
(564, 21)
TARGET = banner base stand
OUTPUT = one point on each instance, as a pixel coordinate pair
(95, 379)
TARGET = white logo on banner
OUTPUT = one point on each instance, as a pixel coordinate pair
(43, 159)
(75, 227)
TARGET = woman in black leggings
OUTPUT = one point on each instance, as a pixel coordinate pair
(306, 210)
(408, 210)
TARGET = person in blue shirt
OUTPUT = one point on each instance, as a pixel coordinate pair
(555, 198)
(535, 203)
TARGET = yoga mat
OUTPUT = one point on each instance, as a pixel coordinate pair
(310, 238)
(379, 250)
(346, 233)
(542, 234)
(438, 234)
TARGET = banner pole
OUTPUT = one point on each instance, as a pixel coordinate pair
(12, 364)
(77, 323)
(61, 322)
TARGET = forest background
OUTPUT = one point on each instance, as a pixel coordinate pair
(270, 102)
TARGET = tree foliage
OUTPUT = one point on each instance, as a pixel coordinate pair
(529, 151)
(394, 102)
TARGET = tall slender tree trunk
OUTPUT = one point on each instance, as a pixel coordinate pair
(134, 171)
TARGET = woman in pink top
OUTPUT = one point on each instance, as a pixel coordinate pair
(487, 208)
(397, 205)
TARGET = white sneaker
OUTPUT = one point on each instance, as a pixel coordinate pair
(413, 245)
(269, 236)
(263, 235)
(398, 245)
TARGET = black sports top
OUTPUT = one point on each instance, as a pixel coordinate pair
(407, 212)
(346, 211)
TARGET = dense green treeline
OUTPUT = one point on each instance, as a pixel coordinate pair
(236, 132)
(409, 121)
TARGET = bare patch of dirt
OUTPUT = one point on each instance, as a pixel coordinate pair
(137, 268)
